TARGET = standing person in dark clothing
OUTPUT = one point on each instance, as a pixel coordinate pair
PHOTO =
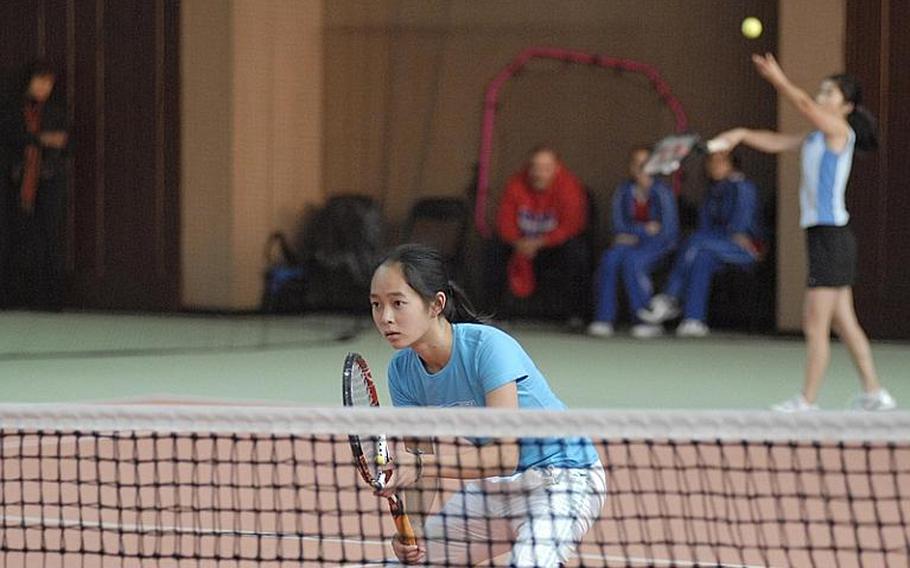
(34, 141)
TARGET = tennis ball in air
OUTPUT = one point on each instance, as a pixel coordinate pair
(751, 27)
(380, 460)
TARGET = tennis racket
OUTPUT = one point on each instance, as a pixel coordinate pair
(371, 453)
(669, 153)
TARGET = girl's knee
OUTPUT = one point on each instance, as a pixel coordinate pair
(815, 327)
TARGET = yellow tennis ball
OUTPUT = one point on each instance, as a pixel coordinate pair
(380, 460)
(751, 27)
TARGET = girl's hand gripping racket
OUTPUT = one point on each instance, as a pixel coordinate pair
(371, 454)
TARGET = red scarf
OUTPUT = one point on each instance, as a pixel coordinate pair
(32, 166)
(521, 277)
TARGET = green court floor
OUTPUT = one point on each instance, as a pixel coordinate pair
(297, 360)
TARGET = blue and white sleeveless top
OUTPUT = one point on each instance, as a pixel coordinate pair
(824, 181)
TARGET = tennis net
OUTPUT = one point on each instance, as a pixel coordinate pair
(132, 485)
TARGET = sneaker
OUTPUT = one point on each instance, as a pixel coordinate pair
(872, 401)
(661, 309)
(647, 331)
(796, 404)
(600, 329)
(692, 328)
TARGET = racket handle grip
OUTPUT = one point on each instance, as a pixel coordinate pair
(402, 522)
(405, 530)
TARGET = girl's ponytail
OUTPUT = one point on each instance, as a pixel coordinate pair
(459, 308)
(863, 123)
(861, 120)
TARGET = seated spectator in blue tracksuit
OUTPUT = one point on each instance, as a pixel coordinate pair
(646, 227)
(729, 233)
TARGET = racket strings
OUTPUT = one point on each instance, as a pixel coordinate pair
(361, 392)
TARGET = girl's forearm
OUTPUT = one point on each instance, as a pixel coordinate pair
(769, 141)
(463, 460)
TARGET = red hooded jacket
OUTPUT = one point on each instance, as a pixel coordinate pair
(558, 214)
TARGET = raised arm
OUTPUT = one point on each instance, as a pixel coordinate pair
(761, 140)
(833, 126)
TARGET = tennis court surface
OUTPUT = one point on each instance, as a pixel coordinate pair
(137, 485)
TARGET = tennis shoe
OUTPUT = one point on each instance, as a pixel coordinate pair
(600, 329)
(692, 328)
(874, 401)
(646, 331)
(796, 404)
(661, 309)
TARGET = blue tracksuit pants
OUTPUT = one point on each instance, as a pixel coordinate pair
(699, 259)
(634, 264)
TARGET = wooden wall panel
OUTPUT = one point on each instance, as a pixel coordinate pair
(878, 53)
(895, 317)
(405, 82)
(119, 73)
(19, 40)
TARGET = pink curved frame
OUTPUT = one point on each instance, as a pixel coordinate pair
(491, 98)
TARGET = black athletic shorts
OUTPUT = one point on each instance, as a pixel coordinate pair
(832, 256)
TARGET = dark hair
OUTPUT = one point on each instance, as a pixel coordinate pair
(736, 159)
(40, 68)
(424, 269)
(861, 120)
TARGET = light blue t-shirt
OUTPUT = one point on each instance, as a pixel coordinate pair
(824, 181)
(484, 359)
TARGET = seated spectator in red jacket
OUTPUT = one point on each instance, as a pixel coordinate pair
(539, 250)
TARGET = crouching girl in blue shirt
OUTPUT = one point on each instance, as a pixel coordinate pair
(544, 494)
